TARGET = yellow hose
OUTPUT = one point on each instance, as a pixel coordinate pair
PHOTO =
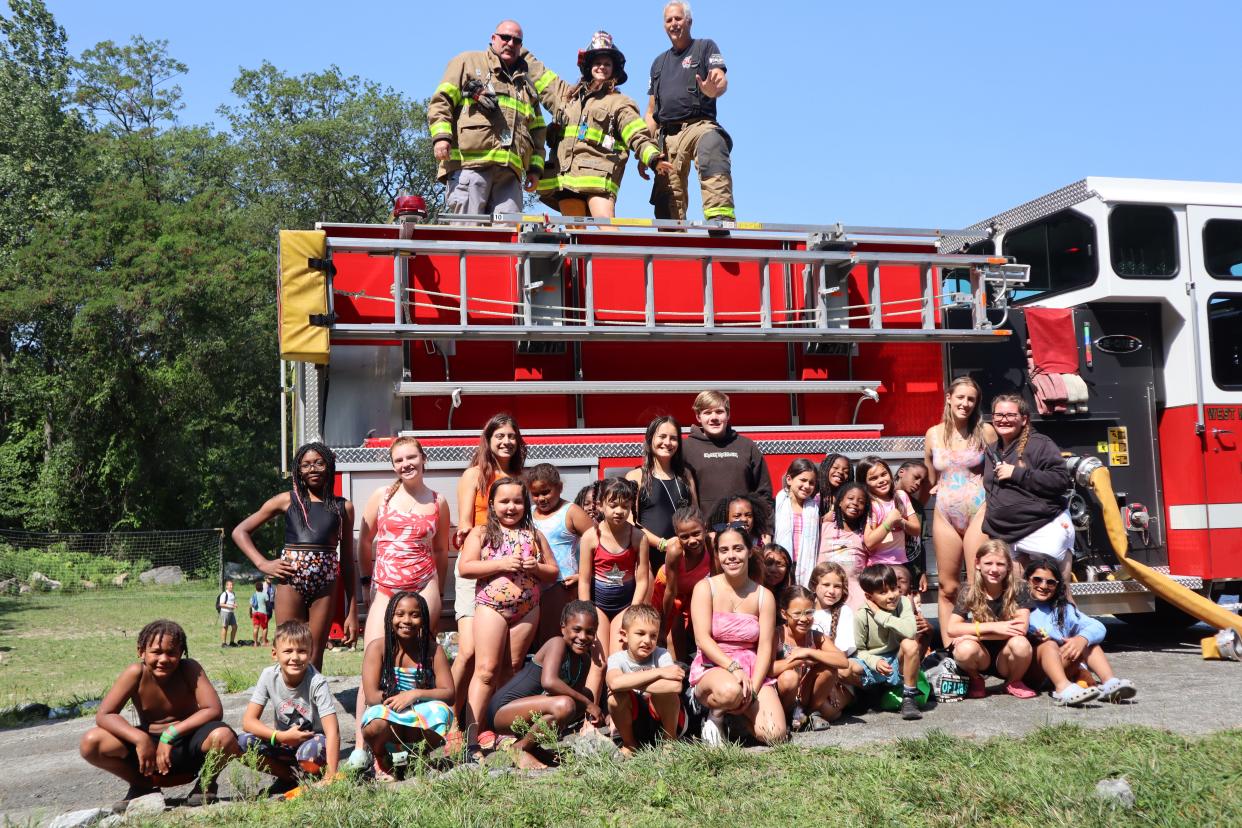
(1163, 586)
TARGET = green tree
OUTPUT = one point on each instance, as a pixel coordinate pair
(325, 146)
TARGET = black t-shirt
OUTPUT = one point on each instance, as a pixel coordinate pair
(962, 606)
(673, 83)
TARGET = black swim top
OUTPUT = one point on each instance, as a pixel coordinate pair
(323, 528)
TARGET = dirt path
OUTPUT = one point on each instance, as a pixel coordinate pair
(1178, 691)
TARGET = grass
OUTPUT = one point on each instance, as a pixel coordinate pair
(58, 649)
(1046, 778)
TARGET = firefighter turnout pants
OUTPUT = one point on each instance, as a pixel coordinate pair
(483, 191)
(704, 143)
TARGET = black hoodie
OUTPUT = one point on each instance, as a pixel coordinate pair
(726, 466)
(1032, 496)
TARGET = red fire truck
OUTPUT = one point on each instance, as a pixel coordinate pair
(831, 338)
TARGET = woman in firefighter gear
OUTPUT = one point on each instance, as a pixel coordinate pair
(593, 131)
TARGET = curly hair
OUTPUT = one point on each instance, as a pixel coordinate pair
(163, 627)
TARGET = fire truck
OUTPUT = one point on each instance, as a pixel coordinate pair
(828, 338)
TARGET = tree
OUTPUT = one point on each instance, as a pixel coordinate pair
(323, 146)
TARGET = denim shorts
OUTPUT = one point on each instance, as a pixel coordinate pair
(874, 678)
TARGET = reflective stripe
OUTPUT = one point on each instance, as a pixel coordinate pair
(441, 128)
(452, 91)
(497, 156)
(536, 163)
(649, 153)
(1209, 516)
(718, 212)
(594, 135)
(513, 103)
(537, 122)
(587, 182)
(549, 184)
(627, 131)
(546, 78)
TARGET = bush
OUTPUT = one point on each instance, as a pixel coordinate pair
(72, 569)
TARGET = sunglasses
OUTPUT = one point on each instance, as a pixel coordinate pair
(801, 615)
(508, 38)
(1051, 583)
(720, 527)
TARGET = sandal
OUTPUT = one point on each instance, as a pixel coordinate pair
(1019, 690)
(1117, 690)
(816, 722)
(977, 689)
(1074, 696)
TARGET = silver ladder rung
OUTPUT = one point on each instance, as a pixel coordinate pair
(541, 387)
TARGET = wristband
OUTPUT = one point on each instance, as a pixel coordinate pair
(662, 544)
(274, 738)
(977, 633)
(169, 735)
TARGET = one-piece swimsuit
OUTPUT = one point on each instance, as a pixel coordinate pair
(959, 487)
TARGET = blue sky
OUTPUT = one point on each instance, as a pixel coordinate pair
(897, 113)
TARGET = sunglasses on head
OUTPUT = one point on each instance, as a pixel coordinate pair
(720, 527)
(1051, 583)
(509, 38)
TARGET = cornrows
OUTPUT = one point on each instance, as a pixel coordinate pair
(163, 627)
(301, 494)
(424, 645)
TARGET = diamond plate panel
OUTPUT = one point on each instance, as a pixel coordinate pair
(1054, 202)
(310, 403)
(1115, 587)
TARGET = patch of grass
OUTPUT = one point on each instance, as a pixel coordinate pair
(1046, 778)
(57, 648)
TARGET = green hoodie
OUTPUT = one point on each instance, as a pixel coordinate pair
(878, 633)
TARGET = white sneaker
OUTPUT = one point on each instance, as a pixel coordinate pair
(359, 760)
(710, 734)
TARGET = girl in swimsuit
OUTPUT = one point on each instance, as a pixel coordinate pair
(501, 453)
(563, 524)
(664, 486)
(406, 683)
(316, 523)
(735, 627)
(402, 546)
(509, 558)
(687, 563)
(616, 555)
(561, 684)
(954, 461)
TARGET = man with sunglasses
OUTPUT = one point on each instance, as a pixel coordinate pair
(486, 126)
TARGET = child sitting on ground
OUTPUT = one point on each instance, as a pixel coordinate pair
(306, 736)
(806, 664)
(179, 720)
(884, 631)
(906, 586)
(644, 683)
(988, 626)
(835, 619)
(1066, 639)
(407, 684)
(557, 687)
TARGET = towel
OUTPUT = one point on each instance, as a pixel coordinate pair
(808, 544)
(1050, 332)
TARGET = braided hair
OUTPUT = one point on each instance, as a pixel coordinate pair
(424, 646)
(302, 493)
(823, 570)
(858, 524)
(1025, 412)
(163, 627)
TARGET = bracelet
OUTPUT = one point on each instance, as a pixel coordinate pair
(662, 544)
(274, 738)
(733, 665)
(977, 633)
(169, 735)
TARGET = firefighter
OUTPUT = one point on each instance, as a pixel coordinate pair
(685, 83)
(593, 129)
(488, 131)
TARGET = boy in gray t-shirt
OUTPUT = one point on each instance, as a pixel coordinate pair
(306, 735)
(644, 683)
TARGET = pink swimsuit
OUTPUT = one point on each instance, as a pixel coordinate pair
(737, 635)
(404, 559)
(510, 595)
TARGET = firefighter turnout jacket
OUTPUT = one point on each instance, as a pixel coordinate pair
(593, 134)
(510, 135)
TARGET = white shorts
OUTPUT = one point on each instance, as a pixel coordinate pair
(1055, 539)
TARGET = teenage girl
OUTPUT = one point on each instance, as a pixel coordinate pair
(316, 523)
(1068, 648)
(179, 720)
(402, 547)
(664, 485)
(987, 628)
(563, 524)
(834, 471)
(835, 619)
(501, 453)
(735, 627)
(560, 685)
(954, 461)
(797, 517)
(508, 558)
(616, 554)
(686, 563)
(806, 664)
(406, 683)
(842, 536)
(892, 515)
(747, 511)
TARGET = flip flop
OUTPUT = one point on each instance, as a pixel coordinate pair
(1019, 690)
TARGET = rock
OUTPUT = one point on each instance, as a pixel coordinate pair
(80, 819)
(144, 806)
(40, 581)
(62, 712)
(88, 585)
(1116, 791)
(33, 710)
(9, 586)
(120, 580)
(592, 744)
(110, 821)
(163, 576)
(23, 589)
(242, 573)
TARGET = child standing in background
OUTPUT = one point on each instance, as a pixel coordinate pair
(892, 516)
(260, 611)
(226, 603)
(563, 524)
